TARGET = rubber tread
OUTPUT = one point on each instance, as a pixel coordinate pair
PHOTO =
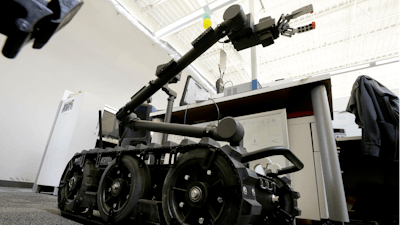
(241, 218)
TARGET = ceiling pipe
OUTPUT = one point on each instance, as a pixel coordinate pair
(191, 18)
(165, 45)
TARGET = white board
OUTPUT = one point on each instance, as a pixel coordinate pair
(261, 130)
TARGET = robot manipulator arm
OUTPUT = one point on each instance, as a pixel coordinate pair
(266, 30)
(283, 23)
(240, 30)
(251, 35)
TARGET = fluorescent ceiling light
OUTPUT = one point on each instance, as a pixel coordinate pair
(191, 18)
(386, 61)
(110, 109)
(350, 69)
(180, 24)
(171, 51)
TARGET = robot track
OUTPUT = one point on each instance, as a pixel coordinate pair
(202, 183)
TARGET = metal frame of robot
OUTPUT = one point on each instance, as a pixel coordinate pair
(206, 183)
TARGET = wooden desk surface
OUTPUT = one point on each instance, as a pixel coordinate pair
(294, 96)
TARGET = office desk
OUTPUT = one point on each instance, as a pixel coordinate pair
(309, 109)
(350, 152)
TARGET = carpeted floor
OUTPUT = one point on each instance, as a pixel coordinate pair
(21, 206)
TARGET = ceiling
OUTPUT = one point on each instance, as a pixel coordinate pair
(349, 34)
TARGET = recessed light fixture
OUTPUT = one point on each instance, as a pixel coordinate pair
(387, 61)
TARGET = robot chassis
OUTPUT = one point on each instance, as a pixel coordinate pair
(203, 183)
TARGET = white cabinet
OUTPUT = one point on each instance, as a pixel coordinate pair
(309, 181)
(75, 129)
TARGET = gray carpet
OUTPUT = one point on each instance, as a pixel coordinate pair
(21, 206)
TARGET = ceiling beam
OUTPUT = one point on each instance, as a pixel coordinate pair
(191, 18)
(384, 55)
(329, 44)
(370, 62)
(216, 52)
(374, 55)
(151, 6)
(324, 12)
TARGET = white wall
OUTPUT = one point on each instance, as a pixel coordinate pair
(99, 52)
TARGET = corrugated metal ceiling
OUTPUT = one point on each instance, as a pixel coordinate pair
(348, 33)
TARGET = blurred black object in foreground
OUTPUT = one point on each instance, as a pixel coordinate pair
(37, 20)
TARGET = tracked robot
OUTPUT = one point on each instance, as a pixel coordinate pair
(202, 182)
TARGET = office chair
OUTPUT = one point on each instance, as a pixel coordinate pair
(134, 137)
(371, 168)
